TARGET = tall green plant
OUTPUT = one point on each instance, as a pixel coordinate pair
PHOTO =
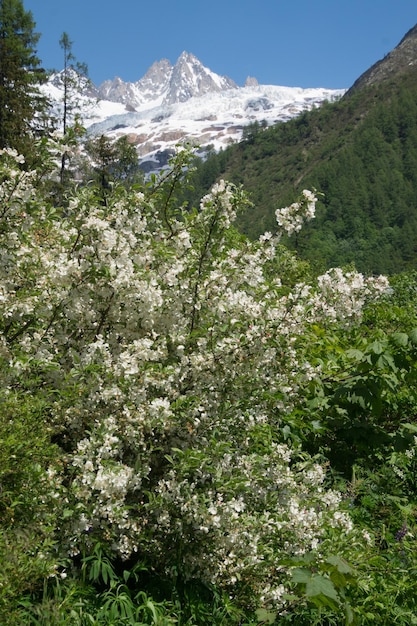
(23, 109)
(74, 78)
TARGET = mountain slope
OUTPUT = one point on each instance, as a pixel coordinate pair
(185, 102)
(401, 59)
(360, 152)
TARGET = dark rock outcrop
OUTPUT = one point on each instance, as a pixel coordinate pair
(401, 59)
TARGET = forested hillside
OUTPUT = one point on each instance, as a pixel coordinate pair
(360, 153)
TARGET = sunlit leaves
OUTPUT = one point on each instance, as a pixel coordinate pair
(198, 385)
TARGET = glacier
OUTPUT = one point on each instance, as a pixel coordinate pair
(185, 102)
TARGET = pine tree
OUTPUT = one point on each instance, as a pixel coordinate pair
(23, 109)
(74, 79)
(113, 162)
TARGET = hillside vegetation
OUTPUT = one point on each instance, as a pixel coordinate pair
(360, 153)
(196, 429)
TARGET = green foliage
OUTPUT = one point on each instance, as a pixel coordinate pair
(23, 110)
(27, 516)
(114, 162)
(326, 587)
(360, 153)
(195, 429)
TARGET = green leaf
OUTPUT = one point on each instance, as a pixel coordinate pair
(386, 360)
(377, 347)
(400, 339)
(301, 575)
(341, 565)
(265, 617)
(355, 354)
(410, 427)
(319, 585)
(413, 336)
(349, 614)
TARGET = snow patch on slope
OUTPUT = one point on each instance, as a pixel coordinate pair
(186, 102)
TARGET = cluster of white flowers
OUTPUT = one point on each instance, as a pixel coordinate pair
(174, 354)
(338, 296)
(278, 514)
(223, 197)
(343, 294)
(291, 219)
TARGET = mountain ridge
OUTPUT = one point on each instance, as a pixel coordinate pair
(166, 83)
(185, 102)
(400, 59)
(359, 154)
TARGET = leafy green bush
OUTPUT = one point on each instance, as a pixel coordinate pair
(184, 410)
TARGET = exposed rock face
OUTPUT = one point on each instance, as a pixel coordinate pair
(156, 80)
(166, 83)
(400, 59)
(190, 78)
(117, 90)
(251, 82)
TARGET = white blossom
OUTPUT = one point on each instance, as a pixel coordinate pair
(176, 358)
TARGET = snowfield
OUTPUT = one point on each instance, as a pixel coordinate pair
(184, 103)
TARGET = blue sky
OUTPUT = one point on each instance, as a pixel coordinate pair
(303, 43)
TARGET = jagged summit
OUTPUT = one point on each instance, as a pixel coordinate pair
(191, 78)
(251, 81)
(83, 82)
(189, 102)
(401, 59)
(156, 78)
(185, 102)
(166, 83)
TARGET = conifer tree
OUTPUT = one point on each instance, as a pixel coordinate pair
(112, 162)
(23, 109)
(74, 79)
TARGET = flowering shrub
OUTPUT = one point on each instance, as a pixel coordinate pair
(291, 218)
(170, 352)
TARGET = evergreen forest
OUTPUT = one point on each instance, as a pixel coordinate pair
(359, 154)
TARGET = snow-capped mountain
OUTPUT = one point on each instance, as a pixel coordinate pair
(184, 102)
(167, 84)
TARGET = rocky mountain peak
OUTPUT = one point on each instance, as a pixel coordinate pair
(251, 81)
(74, 79)
(166, 83)
(117, 90)
(401, 59)
(191, 78)
(156, 79)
